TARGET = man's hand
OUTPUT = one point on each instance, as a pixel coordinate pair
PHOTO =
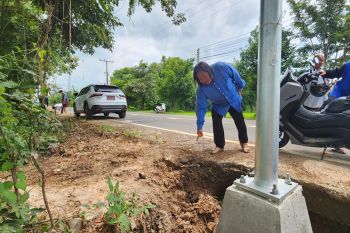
(322, 72)
(199, 133)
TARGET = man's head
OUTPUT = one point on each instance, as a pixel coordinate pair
(319, 61)
(60, 91)
(202, 73)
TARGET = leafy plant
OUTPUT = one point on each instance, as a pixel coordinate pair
(119, 208)
(22, 125)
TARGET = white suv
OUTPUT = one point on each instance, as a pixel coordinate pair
(104, 99)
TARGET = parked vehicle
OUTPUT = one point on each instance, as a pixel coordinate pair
(160, 108)
(95, 99)
(329, 127)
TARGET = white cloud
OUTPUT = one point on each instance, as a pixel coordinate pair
(149, 36)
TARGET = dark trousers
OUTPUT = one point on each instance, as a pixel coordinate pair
(218, 129)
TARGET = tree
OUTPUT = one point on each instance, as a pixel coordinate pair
(92, 21)
(176, 86)
(169, 81)
(343, 42)
(247, 65)
(138, 83)
(319, 25)
(38, 39)
(44, 34)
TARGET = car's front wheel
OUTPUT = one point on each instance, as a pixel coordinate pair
(76, 113)
(122, 114)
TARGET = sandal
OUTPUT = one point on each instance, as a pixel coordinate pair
(338, 150)
(217, 150)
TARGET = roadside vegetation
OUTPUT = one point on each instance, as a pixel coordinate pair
(38, 40)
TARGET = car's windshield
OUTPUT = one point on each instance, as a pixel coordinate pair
(106, 88)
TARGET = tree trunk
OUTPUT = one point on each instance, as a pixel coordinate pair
(43, 181)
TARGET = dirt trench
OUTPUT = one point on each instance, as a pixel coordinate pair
(327, 214)
(186, 183)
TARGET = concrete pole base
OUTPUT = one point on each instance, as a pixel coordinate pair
(246, 212)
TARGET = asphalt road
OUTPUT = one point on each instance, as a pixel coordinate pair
(187, 125)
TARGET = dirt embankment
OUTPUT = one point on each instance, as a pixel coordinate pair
(177, 174)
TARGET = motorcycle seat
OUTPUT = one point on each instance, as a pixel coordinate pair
(314, 120)
(338, 105)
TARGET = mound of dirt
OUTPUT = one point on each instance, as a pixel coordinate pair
(184, 181)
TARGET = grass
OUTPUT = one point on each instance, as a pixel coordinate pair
(107, 128)
(247, 115)
(132, 134)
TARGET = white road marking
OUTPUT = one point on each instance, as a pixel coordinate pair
(210, 135)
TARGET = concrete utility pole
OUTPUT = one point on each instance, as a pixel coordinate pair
(104, 60)
(197, 55)
(266, 204)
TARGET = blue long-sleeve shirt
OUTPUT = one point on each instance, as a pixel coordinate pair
(222, 92)
(342, 87)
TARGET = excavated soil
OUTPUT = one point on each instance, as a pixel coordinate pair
(176, 173)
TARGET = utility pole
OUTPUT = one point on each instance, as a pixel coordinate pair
(197, 55)
(70, 42)
(276, 205)
(104, 60)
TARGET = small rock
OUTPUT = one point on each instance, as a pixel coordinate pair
(35, 154)
(211, 226)
(116, 173)
(133, 225)
(53, 230)
(75, 225)
(184, 161)
(57, 171)
(142, 176)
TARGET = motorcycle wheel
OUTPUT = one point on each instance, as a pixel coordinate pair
(283, 138)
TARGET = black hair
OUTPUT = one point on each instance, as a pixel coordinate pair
(201, 67)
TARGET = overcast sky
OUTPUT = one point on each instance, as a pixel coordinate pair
(220, 28)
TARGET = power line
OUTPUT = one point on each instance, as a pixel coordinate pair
(231, 55)
(233, 44)
(164, 25)
(215, 55)
(224, 46)
(222, 41)
(157, 32)
(226, 40)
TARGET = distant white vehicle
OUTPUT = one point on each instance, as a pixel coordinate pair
(161, 108)
(95, 99)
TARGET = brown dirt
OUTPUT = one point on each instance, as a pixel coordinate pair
(174, 172)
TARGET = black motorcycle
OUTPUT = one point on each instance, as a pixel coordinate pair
(330, 127)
